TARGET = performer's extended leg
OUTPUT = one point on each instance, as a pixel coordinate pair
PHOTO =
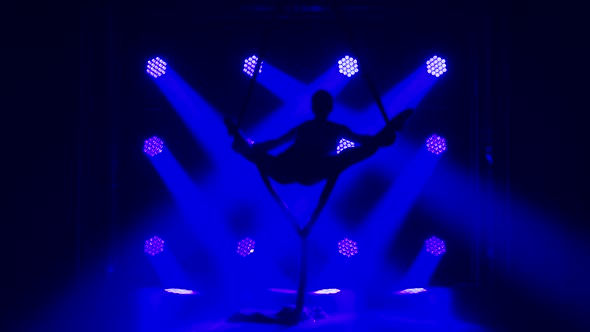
(325, 195)
(385, 137)
(279, 200)
(279, 169)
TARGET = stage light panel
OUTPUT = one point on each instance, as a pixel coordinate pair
(436, 144)
(435, 246)
(156, 67)
(154, 246)
(250, 65)
(343, 145)
(153, 146)
(180, 291)
(327, 291)
(348, 66)
(436, 66)
(347, 247)
(246, 247)
(411, 291)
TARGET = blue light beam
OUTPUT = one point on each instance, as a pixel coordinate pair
(204, 122)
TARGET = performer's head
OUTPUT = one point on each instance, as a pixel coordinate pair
(321, 104)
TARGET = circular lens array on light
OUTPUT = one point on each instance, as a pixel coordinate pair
(343, 145)
(154, 246)
(348, 66)
(246, 247)
(156, 67)
(347, 247)
(436, 144)
(180, 291)
(250, 65)
(436, 66)
(327, 291)
(435, 246)
(153, 146)
(411, 291)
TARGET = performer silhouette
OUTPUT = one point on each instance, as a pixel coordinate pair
(312, 156)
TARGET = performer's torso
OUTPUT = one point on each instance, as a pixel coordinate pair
(318, 138)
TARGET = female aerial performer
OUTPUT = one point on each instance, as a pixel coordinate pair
(312, 156)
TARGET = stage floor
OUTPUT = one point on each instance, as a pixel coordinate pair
(428, 311)
(368, 321)
(153, 309)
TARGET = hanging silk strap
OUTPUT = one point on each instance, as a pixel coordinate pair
(344, 27)
(261, 55)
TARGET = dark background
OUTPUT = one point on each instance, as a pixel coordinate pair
(70, 116)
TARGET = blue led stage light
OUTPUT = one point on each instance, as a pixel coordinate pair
(156, 67)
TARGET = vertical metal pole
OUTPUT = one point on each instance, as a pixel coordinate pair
(114, 86)
(488, 213)
(85, 102)
(474, 134)
(504, 134)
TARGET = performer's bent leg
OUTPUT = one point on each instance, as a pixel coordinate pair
(281, 169)
(274, 167)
